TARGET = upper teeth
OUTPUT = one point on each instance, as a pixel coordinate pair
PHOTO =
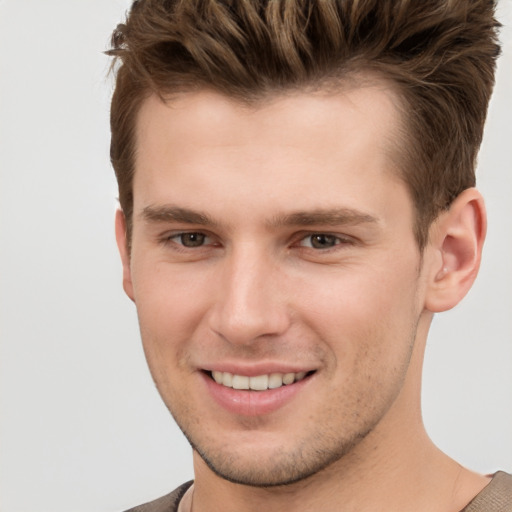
(257, 383)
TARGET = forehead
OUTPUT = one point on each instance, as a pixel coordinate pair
(276, 151)
(359, 102)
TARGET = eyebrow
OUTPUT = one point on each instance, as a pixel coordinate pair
(176, 214)
(327, 217)
(317, 217)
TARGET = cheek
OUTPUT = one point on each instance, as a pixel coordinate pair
(368, 334)
(366, 315)
(170, 307)
(168, 294)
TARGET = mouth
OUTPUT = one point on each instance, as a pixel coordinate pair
(258, 382)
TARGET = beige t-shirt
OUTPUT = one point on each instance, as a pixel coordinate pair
(495, 497)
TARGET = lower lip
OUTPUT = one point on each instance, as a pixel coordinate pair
(253, 403)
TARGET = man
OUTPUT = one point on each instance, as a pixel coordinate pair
(296, 181)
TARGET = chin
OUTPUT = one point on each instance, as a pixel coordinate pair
(278, 467)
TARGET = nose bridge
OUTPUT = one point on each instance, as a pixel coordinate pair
(249, 304)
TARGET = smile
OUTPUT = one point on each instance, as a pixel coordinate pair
(255, 395)
(258, 382)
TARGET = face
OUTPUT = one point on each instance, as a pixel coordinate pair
(276, 276)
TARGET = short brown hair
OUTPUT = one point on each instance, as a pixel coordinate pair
(440, 54)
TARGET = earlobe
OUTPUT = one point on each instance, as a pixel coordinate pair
(122, 245)
(457, 238)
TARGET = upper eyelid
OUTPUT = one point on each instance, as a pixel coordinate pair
(295, 238)
(341, 236)
(181, 233)
(170, 233)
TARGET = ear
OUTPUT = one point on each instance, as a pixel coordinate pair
(122, 245)
(456, 241)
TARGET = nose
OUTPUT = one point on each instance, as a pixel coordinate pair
(250, 303)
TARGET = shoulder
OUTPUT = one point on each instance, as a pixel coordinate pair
(167, 503)
(496, 497)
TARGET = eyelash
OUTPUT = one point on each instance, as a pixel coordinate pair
(337, 239)
(303, 237)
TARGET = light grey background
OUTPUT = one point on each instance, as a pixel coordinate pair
(82, 427)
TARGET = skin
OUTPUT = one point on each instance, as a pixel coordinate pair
(279, 236)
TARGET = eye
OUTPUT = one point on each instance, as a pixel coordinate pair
(322, 241)
(190, 240)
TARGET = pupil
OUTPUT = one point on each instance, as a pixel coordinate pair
(192, 239)
(323, 241)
